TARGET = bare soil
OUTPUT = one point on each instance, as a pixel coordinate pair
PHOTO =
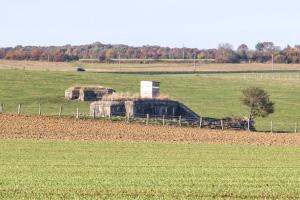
(29, 127)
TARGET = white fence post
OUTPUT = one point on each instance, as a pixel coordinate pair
(248, 124)
(40, 110)
(77, 113)
(222, 124)
(19, 109)
(200, 122)
(128, 118)
(60, 110)
(179, 120)
(94, 113)
(147, 121)
(271, 126)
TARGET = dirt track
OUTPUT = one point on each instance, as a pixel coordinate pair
(71, 129)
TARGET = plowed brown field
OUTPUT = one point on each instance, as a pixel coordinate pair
(71, 129)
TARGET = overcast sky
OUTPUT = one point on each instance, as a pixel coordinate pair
(194, 23)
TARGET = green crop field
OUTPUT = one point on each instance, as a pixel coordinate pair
(212, 95)
(120, 170)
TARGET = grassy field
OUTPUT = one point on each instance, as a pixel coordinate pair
(216, 95)
(115, 170)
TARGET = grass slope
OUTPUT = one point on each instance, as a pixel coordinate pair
(108, 170)
(209, 95)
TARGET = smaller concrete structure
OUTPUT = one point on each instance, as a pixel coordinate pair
(87, 93)
(72, 93)
(150, 89)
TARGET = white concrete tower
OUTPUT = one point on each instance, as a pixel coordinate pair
(150, 89)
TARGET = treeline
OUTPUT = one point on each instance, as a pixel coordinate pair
(263, 52)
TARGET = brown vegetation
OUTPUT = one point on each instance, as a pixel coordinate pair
(264, 52)
(127, 96)
(71, 129)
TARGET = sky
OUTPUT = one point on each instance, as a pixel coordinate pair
(174, 23)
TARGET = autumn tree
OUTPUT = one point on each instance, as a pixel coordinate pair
(2, 53)
(265, 46)
(242, 51)
(225, 54)
(35, 54)
(258, 101)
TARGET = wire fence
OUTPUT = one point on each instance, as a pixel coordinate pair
(148, 119)
(275, 76)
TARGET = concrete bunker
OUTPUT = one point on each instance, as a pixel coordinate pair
(147, 103)
(150, 103)
(142, 107)
(87, 93)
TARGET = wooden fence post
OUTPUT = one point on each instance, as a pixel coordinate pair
(77, 113)
(296, 127)
(19, 109)
(271, 126)
(222, 124)
(40, 110)
(179, 120)
(1, 108)
(60, 111)
(147, 121)
(163, 120)
(200, 122)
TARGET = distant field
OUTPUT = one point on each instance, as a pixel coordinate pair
(213, 95)
(154, 67)
(41, 169)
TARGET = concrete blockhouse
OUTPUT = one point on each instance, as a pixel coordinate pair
(142, 107)
(149, 103)
(72, 93)
(87, 93)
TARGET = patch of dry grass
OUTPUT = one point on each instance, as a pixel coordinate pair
(127, 96)
(153, 67)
